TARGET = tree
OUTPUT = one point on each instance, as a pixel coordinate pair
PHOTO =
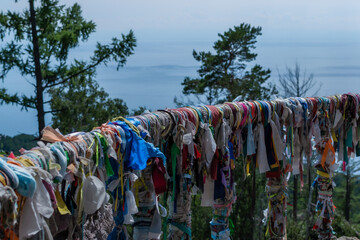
(39, 42)
(351, 176)
(82, 104)
(14, 144)
(223, 75)
(346, 197)
(348, 194)
(251, 200)
(292, 84)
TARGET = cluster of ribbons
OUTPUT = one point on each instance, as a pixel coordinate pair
(54, 189)
(148, 166)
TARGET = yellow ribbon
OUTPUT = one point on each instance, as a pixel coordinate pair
(248, 167)
(345, 109)
(26, 162)
(137, 184)
(132, 126)
(2, 180)
(333, 135)
(61, 204)
(323, 174)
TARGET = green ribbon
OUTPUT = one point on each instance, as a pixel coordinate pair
(348, 141)
(175, 151)
(96, 152)
(67, 157)
(183, 228)
(231, 227)
(104, 145)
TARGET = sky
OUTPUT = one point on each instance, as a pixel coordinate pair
(322, 36)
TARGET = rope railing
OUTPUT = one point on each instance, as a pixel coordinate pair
(148, 166)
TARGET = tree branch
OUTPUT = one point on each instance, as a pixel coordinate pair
(24, 102)
(32, 84)
(47, 61)
(64, 80)
(53, 111)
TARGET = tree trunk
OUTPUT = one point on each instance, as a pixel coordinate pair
(295, 195)
(253, 198)
(309, 173)
(347, 195)
(38, 76)
(308, 211)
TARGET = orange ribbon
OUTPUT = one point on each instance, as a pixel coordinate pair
(51, 135)
(328, 146)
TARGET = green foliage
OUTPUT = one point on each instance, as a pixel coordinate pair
(83, 105)
(223, 75)
(200, 219)
(240, 216)
(59, 29)
(246, 225)
(340, 193)
(343, 227)
(14, 144)
(297, 230)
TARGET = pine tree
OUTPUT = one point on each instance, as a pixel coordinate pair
(38, 42)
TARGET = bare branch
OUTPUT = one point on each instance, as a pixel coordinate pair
(32, 84)
(317, 91)
(295, 84)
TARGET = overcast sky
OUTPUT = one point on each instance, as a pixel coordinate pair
(323, 36)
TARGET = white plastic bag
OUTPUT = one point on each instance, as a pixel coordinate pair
(131, 207)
